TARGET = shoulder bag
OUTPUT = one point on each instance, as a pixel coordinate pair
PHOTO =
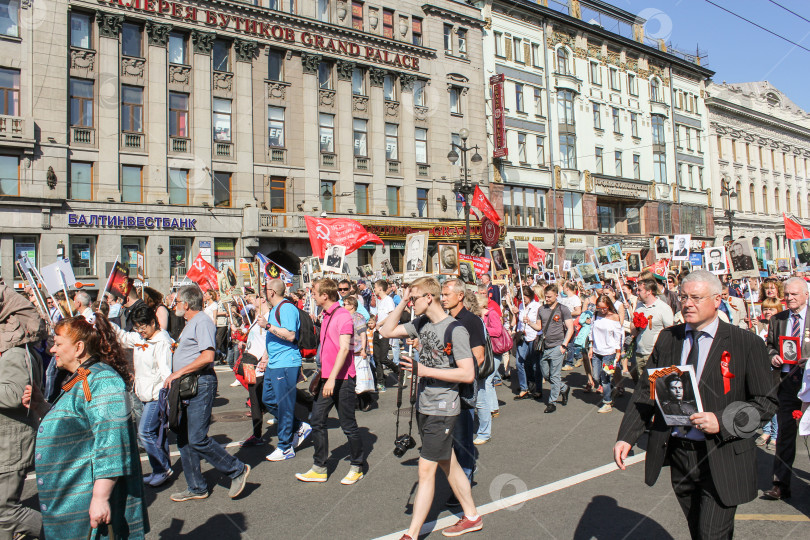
(540, 340)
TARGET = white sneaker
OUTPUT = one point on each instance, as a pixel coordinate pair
(236, 383)
(280, 455)
(606, 408)
(271, 421)
(301, 435)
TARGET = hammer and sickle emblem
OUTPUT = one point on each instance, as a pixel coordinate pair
(322, 231)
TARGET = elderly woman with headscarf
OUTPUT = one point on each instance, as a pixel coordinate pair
(21, 327)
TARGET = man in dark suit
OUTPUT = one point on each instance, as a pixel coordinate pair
(791, 322)
(716, 262)
(713, 462)
(739, 261)
(681, 250)
(804, 253)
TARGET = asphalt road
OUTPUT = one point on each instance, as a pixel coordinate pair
(541, 476)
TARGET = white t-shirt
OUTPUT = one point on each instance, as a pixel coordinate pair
(529, 311)
(662, 317)
(384, 308)
(571, 302)
(211, 310)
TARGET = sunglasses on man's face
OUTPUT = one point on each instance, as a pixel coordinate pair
(343, 288)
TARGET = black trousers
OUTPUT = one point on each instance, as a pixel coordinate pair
(786, 433)
(222, 339)
(345, 399)
(256, 405)
(381, 347)
(708, 518)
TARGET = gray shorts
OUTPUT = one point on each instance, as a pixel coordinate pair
(437, 436)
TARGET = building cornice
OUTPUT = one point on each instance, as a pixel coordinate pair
(431, 9)
(742, 124)
(761, 117)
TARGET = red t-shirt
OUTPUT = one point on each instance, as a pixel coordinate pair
(337, 321)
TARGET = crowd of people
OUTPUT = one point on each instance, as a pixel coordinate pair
(91, 381)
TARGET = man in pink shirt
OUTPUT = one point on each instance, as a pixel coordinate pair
(337, 386)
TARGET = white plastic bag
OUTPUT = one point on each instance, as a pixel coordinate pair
(365, 378)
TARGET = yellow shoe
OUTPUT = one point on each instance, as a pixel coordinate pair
(311, 476)
(352, 477)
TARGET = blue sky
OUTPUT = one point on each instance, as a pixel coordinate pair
(737, 51)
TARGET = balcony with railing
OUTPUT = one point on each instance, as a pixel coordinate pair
(83, 135)
(362, 163)
(329, 161)
(223, 150)
(17, 131)
(278, 155)
(132, 141)
(283, 222)
(422, 169)
(180, 145)
(393, 167)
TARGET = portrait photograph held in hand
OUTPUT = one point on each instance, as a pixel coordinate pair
(499, 264)
(466, 272)
(416, 255)
(589, 275)
(743, 259)
(306, 273)
(680, 251)
(676, 393)
(789, 348)
(801, 254)
(315, 267)
(716, 261)
(333, 262)
(448, 259)
(387, 268)
(633, 263)
(661, 247)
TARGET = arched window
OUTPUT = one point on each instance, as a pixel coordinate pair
(752, 198)
(755, 242)
(738, 198)
(562, 61)
(776, 200)
(765, 199)
(787, 200)
(769, 249)
(655, 90)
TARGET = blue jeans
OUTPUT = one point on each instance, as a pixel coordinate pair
(603, 378)
(148, 435)
(527, 367)
(551, 367)
(770, 428)
(574, 353)
(278, 395)
(194, 443)
(463, 436)
(396, 348)
(487, 402)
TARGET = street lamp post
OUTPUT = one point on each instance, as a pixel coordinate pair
(464, 186)
(728, 193)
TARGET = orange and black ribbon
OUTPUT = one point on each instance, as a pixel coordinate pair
(661, 373)
(141, 346)
(81, 375)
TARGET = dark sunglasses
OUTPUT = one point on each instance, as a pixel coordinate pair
(343, 288)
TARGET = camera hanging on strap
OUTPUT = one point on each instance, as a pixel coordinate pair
(404, 442)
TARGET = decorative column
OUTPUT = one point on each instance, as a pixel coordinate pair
(242, 122)
(108, 127)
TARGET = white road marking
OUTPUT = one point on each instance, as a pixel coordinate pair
(520, 498)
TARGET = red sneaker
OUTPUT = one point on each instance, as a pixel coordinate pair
(464, 526)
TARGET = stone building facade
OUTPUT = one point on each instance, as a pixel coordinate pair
(605, 129)
(175, 128)
(760, 150)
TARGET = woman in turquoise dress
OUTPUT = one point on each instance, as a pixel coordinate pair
(87, 462)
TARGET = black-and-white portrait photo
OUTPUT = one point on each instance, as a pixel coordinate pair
(499, 265)
(306, 276)
(677, 395)
(416, 255)
(602, 258)
(789, 349)
(680, 250)
(448, 259)
(315, 267)
(387, 268)
(741, 256)
(589, 275)
(661, 247)
(466, 272)
(716, 261)
(333, 262)
(633, 262)
(550, 261)
(801, 254)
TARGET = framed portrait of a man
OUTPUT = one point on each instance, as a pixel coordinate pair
(742, 259)
(315, 267)
(550, 260)
(801, 254)
(333, 259)
(789, 349)
(306, 274)
(633, 264)
(783, 265)
(499, 265)
(466, 272)
(448, 259)
(661, 247)
(587, 272)
(566, 265)
(416, 261)
(387, 268)
(716, 261)
(680, 250)
(676, 393)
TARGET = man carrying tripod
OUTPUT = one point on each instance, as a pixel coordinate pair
(443, 367)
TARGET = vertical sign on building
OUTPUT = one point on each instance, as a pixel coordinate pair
(499, 129)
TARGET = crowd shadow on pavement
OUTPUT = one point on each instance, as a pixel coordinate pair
(605, 519)
(219, 526)
(799, 485)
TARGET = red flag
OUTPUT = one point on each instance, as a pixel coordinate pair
(337, 232)
(481, 202)
(118, 283)
(536, 255)
(793, 230)
(203, 273)
(481, 264)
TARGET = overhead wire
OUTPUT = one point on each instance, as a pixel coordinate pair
(758, 25)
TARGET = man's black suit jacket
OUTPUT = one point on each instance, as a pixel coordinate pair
(749, 405)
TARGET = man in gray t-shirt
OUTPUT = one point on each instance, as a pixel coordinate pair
(198, 335)
(438, 398)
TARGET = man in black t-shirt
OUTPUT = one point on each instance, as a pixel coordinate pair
(453, 292)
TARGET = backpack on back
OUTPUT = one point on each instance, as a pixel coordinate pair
(307, 340)
(467, 392)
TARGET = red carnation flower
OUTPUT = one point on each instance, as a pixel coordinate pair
(797, 415)
(640, 321)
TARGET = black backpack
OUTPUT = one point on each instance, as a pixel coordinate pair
(307, 333)
(467, 392)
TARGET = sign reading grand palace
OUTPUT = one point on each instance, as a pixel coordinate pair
(267, 30)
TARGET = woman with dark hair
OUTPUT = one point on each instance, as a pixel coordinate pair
(528, 363)
(154, 300)
(87, 462)
(152, 360)
(606, 337)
